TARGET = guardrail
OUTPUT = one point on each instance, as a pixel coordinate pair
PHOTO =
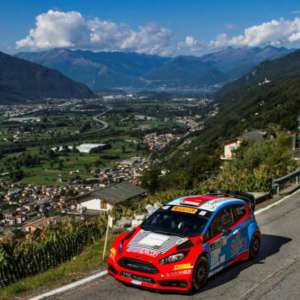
(287, 182)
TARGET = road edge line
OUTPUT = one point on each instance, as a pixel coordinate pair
(70, 286)
(275, 203)
(88, 279)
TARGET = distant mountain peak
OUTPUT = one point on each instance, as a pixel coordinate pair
(101, 70)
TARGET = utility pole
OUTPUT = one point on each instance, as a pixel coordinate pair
(109, 225)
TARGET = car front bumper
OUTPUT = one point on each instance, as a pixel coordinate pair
(169, 279)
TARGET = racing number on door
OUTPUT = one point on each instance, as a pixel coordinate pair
(218, 241)
(216, 257)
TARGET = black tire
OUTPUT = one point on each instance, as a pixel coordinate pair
(254, 246)
(200, 274)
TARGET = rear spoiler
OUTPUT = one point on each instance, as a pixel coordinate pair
(249, 198)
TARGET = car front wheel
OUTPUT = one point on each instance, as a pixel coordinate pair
(200, 274)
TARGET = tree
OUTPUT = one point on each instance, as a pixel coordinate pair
(60, 164)
(150, 179)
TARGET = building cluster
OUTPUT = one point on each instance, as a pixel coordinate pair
(14, 111)
(24, 204)
(20, 113)
(127, 170)
(157, 142)
(192, 123)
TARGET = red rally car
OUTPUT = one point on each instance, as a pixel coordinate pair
(187, 240)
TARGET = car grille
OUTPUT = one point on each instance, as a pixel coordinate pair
(173, 283)
(137, 265)
(138, 277)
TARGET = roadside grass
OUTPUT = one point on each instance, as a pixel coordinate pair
(88, 262)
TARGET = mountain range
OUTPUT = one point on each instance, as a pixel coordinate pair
(269, 95)
(21, 80)
(109, 70)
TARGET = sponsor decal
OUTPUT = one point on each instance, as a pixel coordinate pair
(218, 244)
(236, 245)
(177, 273)
(216, 256)
(183, 266)
(213, 204)
(154, 240)
(202, 213)
(184, 209)
(152, 244)
(148, 252)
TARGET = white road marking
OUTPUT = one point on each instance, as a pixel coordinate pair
(275, 203)
(70, 286)
(85, 280)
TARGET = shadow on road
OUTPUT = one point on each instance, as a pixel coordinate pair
(270, 245)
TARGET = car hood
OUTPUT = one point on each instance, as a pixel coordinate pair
(152, 244)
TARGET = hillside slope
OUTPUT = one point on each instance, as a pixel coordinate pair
(241, 107)
(254, 102)
(266, 72)
(21, 80)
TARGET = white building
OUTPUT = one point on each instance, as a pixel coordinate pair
(103, 200)
(96, 205)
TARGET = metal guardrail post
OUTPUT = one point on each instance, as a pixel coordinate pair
(284, 179)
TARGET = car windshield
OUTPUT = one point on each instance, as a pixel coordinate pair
(175, 223)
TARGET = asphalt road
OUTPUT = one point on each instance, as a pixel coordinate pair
(275, 275)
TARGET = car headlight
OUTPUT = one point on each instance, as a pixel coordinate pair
(172, 258)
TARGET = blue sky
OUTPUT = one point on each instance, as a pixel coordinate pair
(159, 26)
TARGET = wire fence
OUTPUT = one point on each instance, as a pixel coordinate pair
(20, 261)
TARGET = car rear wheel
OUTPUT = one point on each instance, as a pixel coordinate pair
(254, 247)
(200, 274)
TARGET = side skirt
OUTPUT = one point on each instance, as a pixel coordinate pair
(241, 257)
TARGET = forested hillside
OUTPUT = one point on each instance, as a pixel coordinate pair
(21, 80)
(269, 106)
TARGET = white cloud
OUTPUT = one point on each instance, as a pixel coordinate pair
(56, 29)
(276, 32)
(191, 44)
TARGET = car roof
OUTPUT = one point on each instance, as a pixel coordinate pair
(205, 202)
